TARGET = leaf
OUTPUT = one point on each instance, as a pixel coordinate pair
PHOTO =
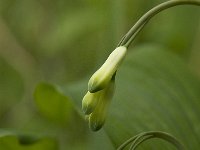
(12, 141)
(52, 104)
(11, 86)
(155, 90)
(67, 29)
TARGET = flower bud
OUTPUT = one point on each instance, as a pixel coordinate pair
(103, 75)
(89, 102)
(97, 118)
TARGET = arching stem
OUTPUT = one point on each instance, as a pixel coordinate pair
(138, 139)
(130, 36)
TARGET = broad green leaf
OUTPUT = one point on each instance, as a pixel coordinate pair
(52, 104)
(155, 90)
(12, 141)
(59, 110)
(55, 106)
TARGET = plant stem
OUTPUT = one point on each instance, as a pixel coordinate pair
(138, 139)
(128, 38)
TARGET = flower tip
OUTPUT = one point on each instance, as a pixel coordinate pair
(89, 102)
(93, 89)
(96, 83)
(87, 110)
(95, 125)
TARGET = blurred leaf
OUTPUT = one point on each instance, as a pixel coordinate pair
(12, 141)
(11, 86)
(30, 27)
(69, 28)
(155, 91)
(52, 104)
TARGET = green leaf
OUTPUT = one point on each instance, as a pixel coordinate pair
(155, 91)
(69, 28)
(52, 104)
(11, 86)
(12, 141)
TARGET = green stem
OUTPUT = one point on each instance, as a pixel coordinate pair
(134, 35)
(127, 142)
(134, 146)
(128, 38)
(138, 139)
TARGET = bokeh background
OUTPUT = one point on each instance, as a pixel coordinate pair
(64, 41)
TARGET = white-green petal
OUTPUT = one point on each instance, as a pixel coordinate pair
(103, 75)
(89, 102)
(97, 118)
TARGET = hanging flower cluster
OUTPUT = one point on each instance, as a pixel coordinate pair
(101, 88)
(101, 84)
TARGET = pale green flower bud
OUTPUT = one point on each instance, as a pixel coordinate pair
(97, 118)
(103, 75)
(89, 102)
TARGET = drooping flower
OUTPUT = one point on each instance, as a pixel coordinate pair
(103, 75)
(98, 116)
(90, 101)
(101, 88)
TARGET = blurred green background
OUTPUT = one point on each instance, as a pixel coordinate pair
(63, 42)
